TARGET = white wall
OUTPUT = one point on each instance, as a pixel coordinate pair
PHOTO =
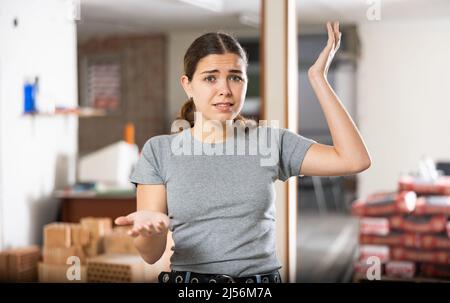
(403, 97)
(178, 43)
(37, 154)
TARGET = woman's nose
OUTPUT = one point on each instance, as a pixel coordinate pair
(224, 88)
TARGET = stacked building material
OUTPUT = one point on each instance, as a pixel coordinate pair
(116, 268)
(19, 264)
(119, 242)
(407, 231)
(63, 241)
(98, 229)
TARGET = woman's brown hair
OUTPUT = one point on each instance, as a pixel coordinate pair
(208, 44)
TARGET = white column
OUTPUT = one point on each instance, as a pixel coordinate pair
(279, 102)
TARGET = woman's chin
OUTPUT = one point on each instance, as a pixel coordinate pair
(222, 117)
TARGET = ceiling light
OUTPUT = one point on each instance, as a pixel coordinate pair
(250, 19)
(212, 5)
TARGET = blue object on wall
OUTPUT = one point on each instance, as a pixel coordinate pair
(29, 97)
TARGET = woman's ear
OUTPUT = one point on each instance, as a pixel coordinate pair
(186, 85)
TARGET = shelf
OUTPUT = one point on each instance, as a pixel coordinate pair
(80, 112)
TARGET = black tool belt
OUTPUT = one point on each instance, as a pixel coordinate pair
(193, 277)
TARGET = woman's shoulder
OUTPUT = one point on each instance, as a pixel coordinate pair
(162, 141)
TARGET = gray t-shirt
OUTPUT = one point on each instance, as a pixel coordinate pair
(221, 206)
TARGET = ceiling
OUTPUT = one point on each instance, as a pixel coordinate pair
(138, 16)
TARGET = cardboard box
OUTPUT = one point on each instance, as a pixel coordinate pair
(58, 273)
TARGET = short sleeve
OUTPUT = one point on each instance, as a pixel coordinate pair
(147, 169)
(293, 148)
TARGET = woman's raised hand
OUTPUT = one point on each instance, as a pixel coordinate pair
(323, 62)
(145, 223)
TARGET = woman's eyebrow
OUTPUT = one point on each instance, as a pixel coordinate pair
(236, 71)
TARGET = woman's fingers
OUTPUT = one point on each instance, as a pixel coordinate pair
(337, 35)
(331, 40)
(123, 221)
(134, 232)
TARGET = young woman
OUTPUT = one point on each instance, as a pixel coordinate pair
(220, 206)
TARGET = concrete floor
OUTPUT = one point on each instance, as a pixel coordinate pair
(326, 247)
(327, 240)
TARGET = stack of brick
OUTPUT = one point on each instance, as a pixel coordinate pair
(407, 231)
(98, 229)
(122, 262)
(65, 240)
(116, 268)
(119, 242)
(19, 264)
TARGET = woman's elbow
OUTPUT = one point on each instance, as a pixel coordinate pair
(360, 166)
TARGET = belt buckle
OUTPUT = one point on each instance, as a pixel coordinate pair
(230, 278)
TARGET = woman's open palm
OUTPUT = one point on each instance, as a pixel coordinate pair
(323, 62)
(145, 223)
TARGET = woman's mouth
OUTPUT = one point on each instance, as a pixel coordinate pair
(223, 107)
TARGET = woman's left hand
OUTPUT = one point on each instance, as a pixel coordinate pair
(320, 67)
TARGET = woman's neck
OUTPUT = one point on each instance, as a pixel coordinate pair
(211, 132)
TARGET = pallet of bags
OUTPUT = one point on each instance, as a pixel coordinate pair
(366, 264)
(448, 229)
(381, 252)
(424, 186)
(427, 242)
(406, 254)
(393, 239)
(362, 268)
(385, 204)
(374, 226)
(20, 264)
(432, 205)
(419, 224)
(435, 271)
(401, 269)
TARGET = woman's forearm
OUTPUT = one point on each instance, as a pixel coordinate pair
(347, 141)
(151, 248)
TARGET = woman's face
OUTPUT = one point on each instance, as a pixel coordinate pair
(218, 86)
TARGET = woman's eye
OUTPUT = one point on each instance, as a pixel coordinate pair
(236, 78)
(210, 79)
